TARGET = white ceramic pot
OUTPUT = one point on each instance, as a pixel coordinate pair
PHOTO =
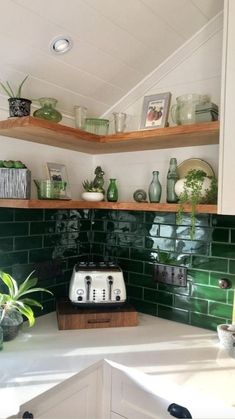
(179, 186)
(226, 334)
(92, 196)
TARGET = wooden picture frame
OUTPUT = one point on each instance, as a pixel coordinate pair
(155, 111)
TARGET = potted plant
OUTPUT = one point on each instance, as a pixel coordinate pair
(92, 192)
(16, 304)
(18, 106)
(196, 188)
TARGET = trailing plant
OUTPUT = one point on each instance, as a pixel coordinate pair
(194, 194)
(15, 299)
(9, 90)
(89, 186)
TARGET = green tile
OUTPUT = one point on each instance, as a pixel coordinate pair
(206, 322)
(223, 250)
(209, 293)
(191, 304)
(142, 280)
(40, 255)
(167, 231)
(6, 244)
(6, 214)
(153, 230)
(50, 240)
(158, 297)
(85, 225)
(105, 215)
(131, 266)
(199, 277)
(231, 295)
(175, 290)
(143, 307)
(223, 221)
(160, 217)
(97, 225)
(221, 310)
(221, 235)
(148, 268)
(97, 248)
(202, 220)
(28, 242)
(42, 227)
(14, 229)
(201, 233)
(161, 243)
(60, 290)
(131, 216)
(216, 276)
(134, 292)
(28, 215)
(11, 258)
(101, 237)
(210, 263)
(174, 314)
(142, 254)
(56, 215)
(80, 214)
(191, 246)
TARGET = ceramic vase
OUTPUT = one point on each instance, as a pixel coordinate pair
(47, 110)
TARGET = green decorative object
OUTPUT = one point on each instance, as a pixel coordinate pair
(112, 192)
(155, 188)
(172, 177)
(47, 110)
(16, 304)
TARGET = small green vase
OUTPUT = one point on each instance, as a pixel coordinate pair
(47, 110)
(112, 192)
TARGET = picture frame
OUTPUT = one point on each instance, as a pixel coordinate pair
(57, 171)
(155, 111)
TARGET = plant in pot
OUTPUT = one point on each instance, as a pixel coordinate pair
(92, 192)
(196, 188)
(18, 106)
(16, 304)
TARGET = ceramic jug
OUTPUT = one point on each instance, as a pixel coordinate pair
(184, 112)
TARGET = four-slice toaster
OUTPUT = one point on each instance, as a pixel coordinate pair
(98, 284)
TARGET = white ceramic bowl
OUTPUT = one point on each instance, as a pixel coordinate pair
(179, 186)
(92, 196)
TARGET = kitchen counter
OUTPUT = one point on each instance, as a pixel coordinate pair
(43, 356)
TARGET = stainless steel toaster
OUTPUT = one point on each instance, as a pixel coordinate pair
(98, 284)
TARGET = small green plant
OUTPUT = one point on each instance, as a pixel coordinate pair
(90, 187)
(9, 90)
(194, 194)
(16, 300)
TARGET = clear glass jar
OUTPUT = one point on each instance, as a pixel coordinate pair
(47, 110)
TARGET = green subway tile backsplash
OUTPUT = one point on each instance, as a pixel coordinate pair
(36, 239)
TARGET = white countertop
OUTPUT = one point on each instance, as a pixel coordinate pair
(42, 356)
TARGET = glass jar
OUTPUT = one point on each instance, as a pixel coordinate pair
(172, 177)
(184, 112)
(155, 188)
(47, 110)
(112, 192)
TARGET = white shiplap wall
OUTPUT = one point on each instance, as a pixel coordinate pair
(200, 72)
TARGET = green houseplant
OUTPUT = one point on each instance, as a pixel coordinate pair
(18, 106)
(196, 188)
(92, 191)
(15, 304)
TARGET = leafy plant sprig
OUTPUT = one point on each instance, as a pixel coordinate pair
(192, 194)
(89, 186)
(10, 92)
(15, 299)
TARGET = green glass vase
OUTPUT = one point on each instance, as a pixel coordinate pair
(47, 110)
(155, 188)
(112, 192)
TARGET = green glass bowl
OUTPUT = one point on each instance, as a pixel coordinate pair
(97, 126)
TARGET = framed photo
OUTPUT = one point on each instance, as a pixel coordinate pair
(56, 171)
(155, 111)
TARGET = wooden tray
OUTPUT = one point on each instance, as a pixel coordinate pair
(72, 317)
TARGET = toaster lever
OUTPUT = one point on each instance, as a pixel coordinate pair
(110, 279)
(88, 286)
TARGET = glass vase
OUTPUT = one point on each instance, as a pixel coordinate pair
(47, 110)
(172, 177)
(155, 188)
(112, 192)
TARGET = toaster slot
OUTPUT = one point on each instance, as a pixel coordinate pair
(88, 286)
(110, 286)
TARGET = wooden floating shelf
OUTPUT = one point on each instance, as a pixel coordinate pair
(40, 131)
(124, 206)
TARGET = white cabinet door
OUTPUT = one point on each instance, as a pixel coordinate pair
(131, 400)
(226, 200)
(76, 398)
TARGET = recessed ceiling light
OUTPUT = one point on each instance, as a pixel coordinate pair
(61, 44)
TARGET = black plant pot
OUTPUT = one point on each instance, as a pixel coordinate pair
(10, 332)
(11, 324)
(19, 107)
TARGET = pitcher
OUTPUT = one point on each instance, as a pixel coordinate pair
(184, 112)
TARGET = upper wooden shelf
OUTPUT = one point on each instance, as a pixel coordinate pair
(40, 131)
(124, 206)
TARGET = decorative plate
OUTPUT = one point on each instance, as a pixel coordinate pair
(197, 164)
